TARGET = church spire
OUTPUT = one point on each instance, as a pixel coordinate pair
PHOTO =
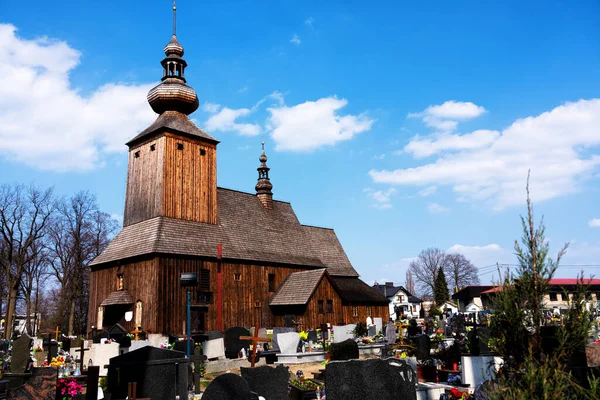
(264, 186)
(173, 94)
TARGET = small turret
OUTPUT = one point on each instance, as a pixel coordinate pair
(264, 186)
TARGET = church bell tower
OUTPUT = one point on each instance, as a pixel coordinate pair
(172, 169)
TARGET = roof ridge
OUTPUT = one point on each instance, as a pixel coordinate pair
(318, 227)
(249, 194)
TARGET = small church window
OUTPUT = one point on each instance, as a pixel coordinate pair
(136, 154)
(257, 304)
(120, 282)
(202, 152)
(237, 277)
(368, 311)
(320, 307)
(179, 146)
(152, 147)
(354, 311)
(138, 313)
(329, 306)
(271, 282)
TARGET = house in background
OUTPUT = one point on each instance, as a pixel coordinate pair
(469, 299)
(402, 302)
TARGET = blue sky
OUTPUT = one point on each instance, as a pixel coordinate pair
(400, 124)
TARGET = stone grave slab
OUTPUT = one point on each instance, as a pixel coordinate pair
(233, 344)
(229, 387)
(346, 350)
(159, 373)
(390, 332)
(276, 331)
(270, 383)
(389, 379)
(378, 323)
(288, 342)
(100, 354)
(214, 349)
(312, 336)
(372, 330)
(20, 358)
(422, 345)
(341, 333)
(138, 344)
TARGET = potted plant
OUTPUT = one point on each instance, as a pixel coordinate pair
(305, 389)
(361, 329)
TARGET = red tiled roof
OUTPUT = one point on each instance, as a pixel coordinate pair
(555, 282)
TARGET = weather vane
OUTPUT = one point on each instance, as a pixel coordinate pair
(174, 18)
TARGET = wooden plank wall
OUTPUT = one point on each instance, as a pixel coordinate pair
(377, 311)
(190, 180)
(139, 280)
(144, 182)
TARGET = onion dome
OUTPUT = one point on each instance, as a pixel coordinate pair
(263, 186)
(172, 94)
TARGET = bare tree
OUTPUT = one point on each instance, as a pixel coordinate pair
(78, 234)
(460, 272)
(425, 268)
(409, 283)
(34, 273)
(24, 216)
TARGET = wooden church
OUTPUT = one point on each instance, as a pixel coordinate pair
(255, 262)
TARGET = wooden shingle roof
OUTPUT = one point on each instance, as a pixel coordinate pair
(356, 291)
(297, 288)
(118, 297)
(247, 230)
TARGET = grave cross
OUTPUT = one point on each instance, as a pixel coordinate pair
(255, 339)
(136, 332)
(50, 346)
(81, 350)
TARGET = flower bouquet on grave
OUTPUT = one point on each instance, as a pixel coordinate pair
(38, 349)
(68, 388)
(58, 361)
(458, 395)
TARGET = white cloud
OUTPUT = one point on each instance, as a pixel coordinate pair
(313, 124)
(445, 117)
(557, 146)
(211, 107)
(428, 191)
(295, 40)
(435, 208)
(309, 22)
(594, 223)
(379, 157)
(382, 198)
(46, 123)
(425, 147)
(225, 121)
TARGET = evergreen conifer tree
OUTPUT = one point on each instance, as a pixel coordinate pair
(441, 293)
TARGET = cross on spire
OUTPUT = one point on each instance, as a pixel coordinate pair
(174, 18)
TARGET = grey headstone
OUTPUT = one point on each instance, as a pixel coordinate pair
(372, 330)
(312, 336)
(390, 332)
(228, 387)
(288, 342)
(276, 331)
(159, 373)
(422, 345)
(270, 383)
(21, 354)
(346, 350)
(233, 344)
(215, 335)
(341, 333)
(389, 379)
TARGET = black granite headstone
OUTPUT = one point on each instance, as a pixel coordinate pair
(4, 345)
(117, 331)
(422, 345)
(214, 335)
(51, 346)
(100, 337)
(346, 350)
(66, 343)
(483, 336)
(228, 387)
(312, 336)
(233, 344)
(268, 382)
(20, 358)
(196, 360)
(389, 379)
(181, 345)
(159, 373)
(172, 338)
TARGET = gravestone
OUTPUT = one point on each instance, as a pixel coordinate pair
(181, 345)
(20, 358)
(372, 330)
(196, 360)
(4, 345)
(378, 323)
(159, 373)
(422, 345)
(341, 333)
(276, 331)
(346, 350)
(100, 337)
(288, 342)
(228, 387)
(389, 379)
(390, 332)
(215, 335)
(51, 347)
(66, 343)
(101, 354)
(233, 344)
(483, 335)
(214, 349)
(312, 336)
(138, 344)
(270, 383)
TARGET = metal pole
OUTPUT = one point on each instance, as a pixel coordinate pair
(189, 323)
